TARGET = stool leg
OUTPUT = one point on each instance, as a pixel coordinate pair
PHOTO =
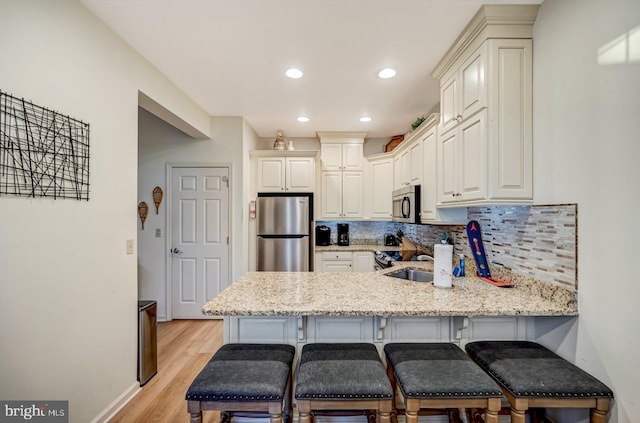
(394, 384)
(412, 407)
(517, 416)
(275, 411)
(385, 408)
(287, 406)
(492, 410)
(195, 411)
(599, 413)
(304, 411)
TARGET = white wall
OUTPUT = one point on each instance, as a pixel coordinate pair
(586, 150)
(68, 291)
(160, 144)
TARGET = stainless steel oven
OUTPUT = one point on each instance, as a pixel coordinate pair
(406, 204)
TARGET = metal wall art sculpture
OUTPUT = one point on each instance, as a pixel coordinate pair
(42, 152)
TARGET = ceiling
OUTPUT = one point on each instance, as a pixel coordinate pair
(230, 56)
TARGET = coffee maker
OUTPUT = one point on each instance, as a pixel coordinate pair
(343, 234)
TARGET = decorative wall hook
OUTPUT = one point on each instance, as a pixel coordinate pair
(157, 198)
(142, 212)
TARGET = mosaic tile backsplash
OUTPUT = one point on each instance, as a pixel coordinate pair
(535, 241)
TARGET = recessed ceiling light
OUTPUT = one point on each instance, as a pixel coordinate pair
(365, 119)
(294, 73)
(387, 73)
(303, 119)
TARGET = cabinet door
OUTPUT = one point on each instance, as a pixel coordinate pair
(331, 194)
(381, 188)
(472, 166)
(336, 266)
(301, 174)
(331, 156)
(402, 164)
(416, 164)
(449, 102)
(271, 174)
(397, 172)
(429, 186)
(362, 261)
(473, 96)
(352, 157)
(352, 194)
(447, 154)
(511, 148)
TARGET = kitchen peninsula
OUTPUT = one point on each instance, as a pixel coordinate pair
(301, 307)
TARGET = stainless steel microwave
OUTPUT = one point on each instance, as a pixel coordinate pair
(406, 204)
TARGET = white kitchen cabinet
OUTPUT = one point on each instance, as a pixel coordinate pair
(363, 261)
(345, 261)
(416, 165)
(462, 162)
(464, 93)
(430, 213)
(401, 168)
(342, 195)
(379, 187)
(339, 151)
(342, 176)
(337, 261)
(285, 174)
(485, 151)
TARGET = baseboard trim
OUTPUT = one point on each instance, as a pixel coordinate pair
(117, 404)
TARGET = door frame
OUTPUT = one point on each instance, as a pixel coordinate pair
(169, 226)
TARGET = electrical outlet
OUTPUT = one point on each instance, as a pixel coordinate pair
(129, 246)
(158, 233)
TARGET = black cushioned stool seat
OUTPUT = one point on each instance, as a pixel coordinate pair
(244, 378)
(530, 375)
(440, 376)
(341, 377)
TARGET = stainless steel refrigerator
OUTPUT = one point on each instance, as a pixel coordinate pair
(284, 233)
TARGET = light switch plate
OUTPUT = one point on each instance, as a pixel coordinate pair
(129, 246)
(158, 233)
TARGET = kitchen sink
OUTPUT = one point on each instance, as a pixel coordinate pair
(412, 275)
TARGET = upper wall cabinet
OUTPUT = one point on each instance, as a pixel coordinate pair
(485, 150)
(278, 171)
(342, 176)
(342, 151)
(378, 186)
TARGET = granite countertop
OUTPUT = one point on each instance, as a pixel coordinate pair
(374, 294)
(356, 247)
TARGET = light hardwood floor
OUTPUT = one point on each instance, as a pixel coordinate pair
(184, 347)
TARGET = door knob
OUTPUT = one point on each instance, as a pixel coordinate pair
(176, 251)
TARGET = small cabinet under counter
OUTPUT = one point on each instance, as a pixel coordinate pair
(344, 261)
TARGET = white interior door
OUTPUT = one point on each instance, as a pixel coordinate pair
(200, 237)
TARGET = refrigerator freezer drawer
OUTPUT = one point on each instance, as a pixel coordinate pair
(289, 254)
(283, 215)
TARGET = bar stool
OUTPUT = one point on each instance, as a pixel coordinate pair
(342, 377)
(530, 375)
(440, 376)
(249, 378)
